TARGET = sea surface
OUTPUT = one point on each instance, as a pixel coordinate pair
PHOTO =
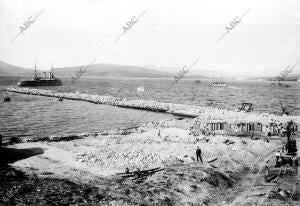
(36, 116)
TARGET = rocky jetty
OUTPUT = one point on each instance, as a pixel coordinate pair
(97, 99)
(55, 138)
(204, 113)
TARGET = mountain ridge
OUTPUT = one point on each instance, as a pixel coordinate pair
(105, 70)
(99, 70)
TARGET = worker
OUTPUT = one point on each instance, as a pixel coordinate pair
(282, 150)
(198, 154)
(277, 127)
(289, 129)
(289, 132)
(295, 161)
(281, 130)
(269, 134)
(271, 123)
(278, 154)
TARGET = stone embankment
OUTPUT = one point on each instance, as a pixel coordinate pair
(205, 113)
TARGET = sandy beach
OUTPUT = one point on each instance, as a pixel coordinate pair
(94, 161)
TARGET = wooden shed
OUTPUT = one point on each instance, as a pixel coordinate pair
(244, 128)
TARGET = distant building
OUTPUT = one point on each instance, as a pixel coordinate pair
(236, 128)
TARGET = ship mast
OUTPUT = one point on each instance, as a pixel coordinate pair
(52, 72)
(35, 74)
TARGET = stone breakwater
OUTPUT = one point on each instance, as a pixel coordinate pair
(204, 113)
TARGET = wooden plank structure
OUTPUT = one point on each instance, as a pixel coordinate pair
(230, 127)
(224, 127)
(139, 175)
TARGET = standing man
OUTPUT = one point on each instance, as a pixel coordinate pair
(282, 150)
(269, 134)
(290, 129)
(278, 155)
(198, 154)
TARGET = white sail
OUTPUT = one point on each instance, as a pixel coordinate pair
(140, 89)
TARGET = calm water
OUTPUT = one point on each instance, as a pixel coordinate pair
(29, 116)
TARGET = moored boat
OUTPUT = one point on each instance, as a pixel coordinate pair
(50, 80)
(278, 84)
(218, 84)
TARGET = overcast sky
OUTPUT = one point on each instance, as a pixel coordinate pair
(172, 33)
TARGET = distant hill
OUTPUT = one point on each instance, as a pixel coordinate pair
(11, 70)
(95, 70)
(289, 77)
(174, 70)
(111, 70)
(198, 77)
(120, 71)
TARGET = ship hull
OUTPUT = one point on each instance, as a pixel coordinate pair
(41, 82)
(279, 85)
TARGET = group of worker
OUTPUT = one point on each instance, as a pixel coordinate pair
(280, 128)
(279, 159)
(277, 126)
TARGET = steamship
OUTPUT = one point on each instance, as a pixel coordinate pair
(48, 80)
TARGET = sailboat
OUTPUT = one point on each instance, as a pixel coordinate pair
(140, 89)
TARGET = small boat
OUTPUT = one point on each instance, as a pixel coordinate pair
(218, 84)
(6, 99)
(278, 84)
(198, 81)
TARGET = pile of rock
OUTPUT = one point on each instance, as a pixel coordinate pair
(56, 138)
(88, 158)
(114, 101)
(145, 105)
(133, 160)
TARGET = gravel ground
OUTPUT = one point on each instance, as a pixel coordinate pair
(84, 171)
